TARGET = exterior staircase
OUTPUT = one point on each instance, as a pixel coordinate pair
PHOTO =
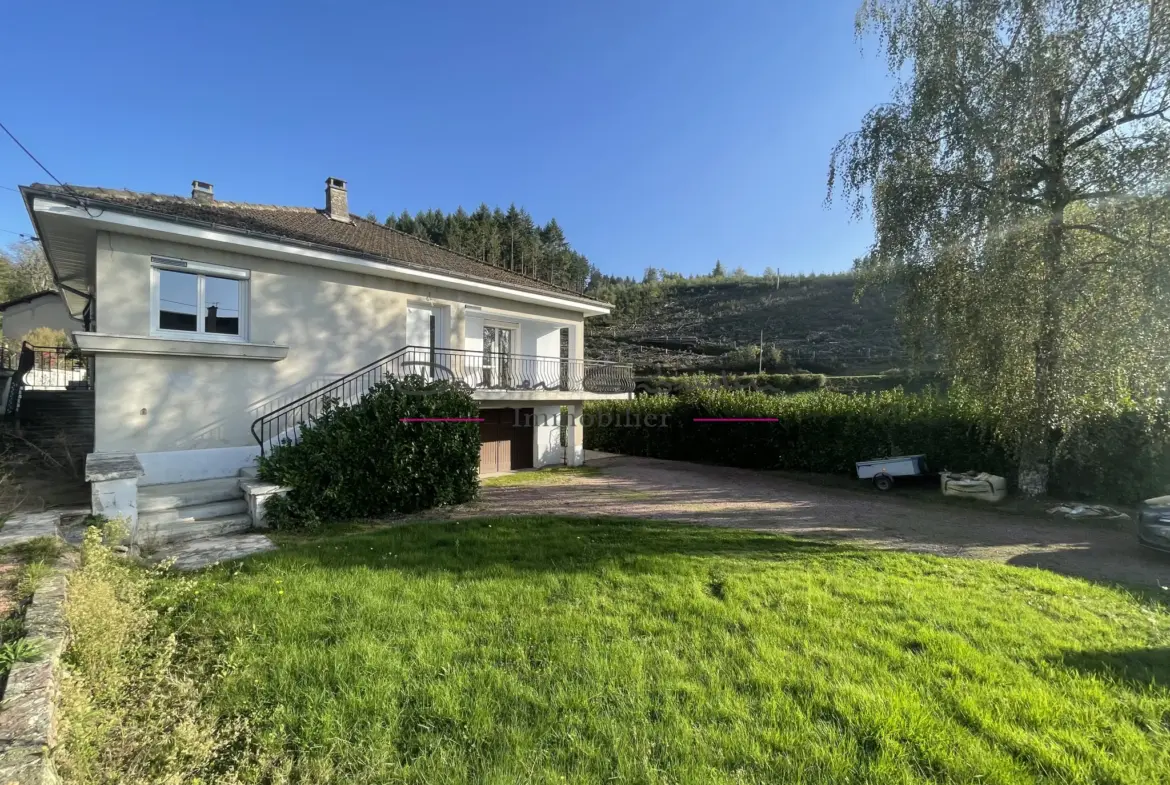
(185, 511)
(197, 524)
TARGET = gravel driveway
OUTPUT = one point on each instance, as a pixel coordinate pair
(720, 496)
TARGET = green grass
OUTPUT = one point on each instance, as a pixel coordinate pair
(45, 549)
(587, 651)
(552, 475)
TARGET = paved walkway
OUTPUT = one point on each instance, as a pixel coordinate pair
(720, 496)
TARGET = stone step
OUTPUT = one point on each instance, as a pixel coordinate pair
(194, 512)
(197, 554)
(153, 498)
(249, 473)
(25, 526)
(171, 532)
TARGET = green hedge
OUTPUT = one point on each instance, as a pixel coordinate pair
(771, 383)
(362, 460)
(1118, 456)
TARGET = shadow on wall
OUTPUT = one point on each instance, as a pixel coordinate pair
(331, 324)
(216, 433)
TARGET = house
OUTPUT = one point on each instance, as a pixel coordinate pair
(21, 316)
(54, 368)
(219, 328)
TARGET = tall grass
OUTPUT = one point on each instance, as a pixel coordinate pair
(132, 701)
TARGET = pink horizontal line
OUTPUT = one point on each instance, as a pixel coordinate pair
(737, 419)
(441, 419)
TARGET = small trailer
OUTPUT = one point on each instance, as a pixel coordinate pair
(883, 470)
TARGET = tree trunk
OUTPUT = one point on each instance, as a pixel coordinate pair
(1035, 449)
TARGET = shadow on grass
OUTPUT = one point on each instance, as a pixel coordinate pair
(1136, 667)
(545, 544)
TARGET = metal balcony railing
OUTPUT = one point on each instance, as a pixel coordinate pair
(474, 369)
(57, 368)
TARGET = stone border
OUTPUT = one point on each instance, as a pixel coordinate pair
(28, 712)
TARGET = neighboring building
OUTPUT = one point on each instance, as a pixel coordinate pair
(21, 316)
(218, 326)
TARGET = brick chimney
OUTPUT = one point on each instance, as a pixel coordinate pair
(336, 200)
(202, 192)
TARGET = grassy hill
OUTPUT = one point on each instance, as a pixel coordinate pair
(713, 324)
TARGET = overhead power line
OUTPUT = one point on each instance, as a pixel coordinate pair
(21, 234)
(35, 160)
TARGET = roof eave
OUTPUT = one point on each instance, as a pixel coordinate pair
(309, 251)
(31, 192)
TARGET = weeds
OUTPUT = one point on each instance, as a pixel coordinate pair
(12, 494)
(46, 549)
(31, 577)
(11, 628)
(19, 650)
(132, 708)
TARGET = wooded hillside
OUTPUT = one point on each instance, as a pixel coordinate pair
(666, 323)
(713, 324)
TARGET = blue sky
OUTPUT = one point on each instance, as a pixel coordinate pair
(664, 134)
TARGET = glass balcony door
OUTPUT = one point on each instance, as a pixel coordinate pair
(421, 334)
(497, 357)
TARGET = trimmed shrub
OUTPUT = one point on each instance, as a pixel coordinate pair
(1121, 455)
(363, 461)
(821, 431)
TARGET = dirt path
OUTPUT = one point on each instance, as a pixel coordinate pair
(719, 496)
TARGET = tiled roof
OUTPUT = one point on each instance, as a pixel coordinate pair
(310, 225)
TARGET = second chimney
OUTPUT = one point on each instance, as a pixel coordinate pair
(202, 192)
(336, 200)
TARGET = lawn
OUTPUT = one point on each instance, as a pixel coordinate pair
(588, 651)
(551, 475)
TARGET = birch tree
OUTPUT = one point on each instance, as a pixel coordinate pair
(1017, 182)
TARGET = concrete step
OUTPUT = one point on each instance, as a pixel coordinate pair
(197, 554)
(153, 498)
(169, 532)
(249, 473)
(193, 512)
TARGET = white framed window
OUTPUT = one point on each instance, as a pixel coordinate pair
(500, 340)
(198, 301)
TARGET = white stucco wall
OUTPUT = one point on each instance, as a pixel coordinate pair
(332, 321)
(48, 311)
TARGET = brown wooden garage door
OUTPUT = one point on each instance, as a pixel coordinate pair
(504, 445)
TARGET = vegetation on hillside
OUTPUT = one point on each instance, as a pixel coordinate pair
(511, 239)
(668, 324)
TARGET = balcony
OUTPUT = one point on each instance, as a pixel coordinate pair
(489, 375)
(483, 371)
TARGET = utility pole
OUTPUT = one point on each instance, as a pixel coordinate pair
(761, 352)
